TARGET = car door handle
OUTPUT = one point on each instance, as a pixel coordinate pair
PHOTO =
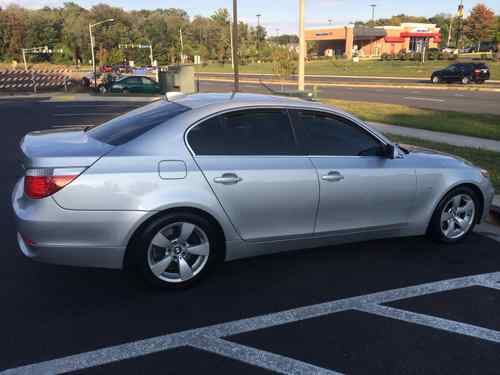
(228, 179)
(332, 176)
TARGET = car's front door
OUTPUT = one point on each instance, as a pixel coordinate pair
(360, 188)
(251, 161)
(148, 85)
(452, 73)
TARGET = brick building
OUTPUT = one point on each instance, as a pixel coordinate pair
(374, 41)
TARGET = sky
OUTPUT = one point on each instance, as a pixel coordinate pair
(280, 16)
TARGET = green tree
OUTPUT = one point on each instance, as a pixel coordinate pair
(480, 25)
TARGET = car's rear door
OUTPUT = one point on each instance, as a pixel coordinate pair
(360, 188)
(251, 160)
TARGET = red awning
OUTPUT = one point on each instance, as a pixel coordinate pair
(407, 34)
(394, 39)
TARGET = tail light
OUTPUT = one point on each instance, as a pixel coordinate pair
(42, 182)
(477, 71)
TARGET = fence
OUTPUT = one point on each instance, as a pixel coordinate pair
(34, 80)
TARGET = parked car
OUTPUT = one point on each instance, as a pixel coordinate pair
(106, 69)
(135, 84)
(462, 72)
(172, 188)
(122, 69)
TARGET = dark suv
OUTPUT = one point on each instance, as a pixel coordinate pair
(462, 72)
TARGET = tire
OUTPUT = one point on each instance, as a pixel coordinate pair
(125, 91)
(465, 80)
(204, 238)
(460, 220)
(435, 79)
(102, 89)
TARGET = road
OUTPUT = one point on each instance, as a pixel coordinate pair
(394, 306)
(449, 100)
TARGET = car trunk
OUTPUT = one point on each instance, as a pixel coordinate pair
(61, 148)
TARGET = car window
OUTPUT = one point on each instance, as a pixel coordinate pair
(133, 124)
(324, 134)
(249, 132)
(133, 81)
(452, 68)
(147, 81)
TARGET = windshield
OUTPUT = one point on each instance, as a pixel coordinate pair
(131, 125)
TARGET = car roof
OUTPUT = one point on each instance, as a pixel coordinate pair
(234, 100)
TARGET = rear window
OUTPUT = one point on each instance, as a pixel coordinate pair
(131, 125)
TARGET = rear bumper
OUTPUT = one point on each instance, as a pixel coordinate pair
(49, 233)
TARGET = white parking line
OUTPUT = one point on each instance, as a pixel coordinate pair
(86, 114)
(425, 99)
(93, 105)
(257, 357)
(71, 126)
(432, 321)
(369, 303)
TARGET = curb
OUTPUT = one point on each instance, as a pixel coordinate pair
(491, 81)
(327, 84)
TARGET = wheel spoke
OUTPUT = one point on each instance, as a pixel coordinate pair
(186, 231)
(185, 270)
(451, 228)
(467, 208)
(161, 266)
(456, 201)
(161, 241)
(446, 216)
(460, 222)
(202, 249)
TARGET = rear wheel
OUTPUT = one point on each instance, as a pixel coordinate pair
(175, 251)
(455, 216)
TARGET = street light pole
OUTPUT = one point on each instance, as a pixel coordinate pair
(91, 25)
(373, 13)
(235, 47)
(302, 46)
(93, 57)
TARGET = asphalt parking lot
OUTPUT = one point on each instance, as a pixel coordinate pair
(399, 306)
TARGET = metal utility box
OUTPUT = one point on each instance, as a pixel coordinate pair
(177, 78)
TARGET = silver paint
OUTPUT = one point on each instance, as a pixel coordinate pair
(263, 204)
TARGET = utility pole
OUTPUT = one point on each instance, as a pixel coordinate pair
(182, 45)
(235, 47)
(373, 13)
(257, 42)
(92, 46)
(302, 45)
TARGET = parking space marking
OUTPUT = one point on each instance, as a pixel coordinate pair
(86, 114)
(257, 357)
(369, 302)
(432, 322)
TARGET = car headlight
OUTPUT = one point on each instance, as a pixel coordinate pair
(485, 173)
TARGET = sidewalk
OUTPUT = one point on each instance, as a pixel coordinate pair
(448, 138)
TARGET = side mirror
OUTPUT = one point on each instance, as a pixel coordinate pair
(392, 151)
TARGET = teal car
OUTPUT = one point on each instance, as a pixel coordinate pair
(136, 84)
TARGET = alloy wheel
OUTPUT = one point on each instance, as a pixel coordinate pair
(178, 252)
(458, 216)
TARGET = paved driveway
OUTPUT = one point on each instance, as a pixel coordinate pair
(393, 306)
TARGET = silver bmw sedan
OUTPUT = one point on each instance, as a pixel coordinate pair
(175, 187)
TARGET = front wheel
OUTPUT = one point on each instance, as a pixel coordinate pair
(455, 216)
(465, 80)
(435, 79)
(175, 251)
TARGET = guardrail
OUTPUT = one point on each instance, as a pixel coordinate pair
(34, 80)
